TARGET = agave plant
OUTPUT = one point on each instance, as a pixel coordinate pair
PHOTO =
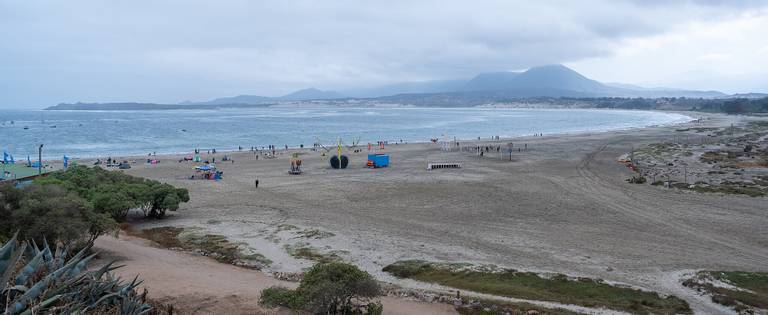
(35, 280)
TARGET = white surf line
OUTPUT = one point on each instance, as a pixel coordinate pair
(701, 303)
(413, 284)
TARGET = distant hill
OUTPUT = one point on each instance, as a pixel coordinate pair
(434, 86)
(553, 77)
(300, 95)
(311, 94)
(143, 106)
(748, 95)
(240, 99)
(544, 81)
(491, 81)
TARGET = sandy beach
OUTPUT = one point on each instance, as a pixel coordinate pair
(563, 205)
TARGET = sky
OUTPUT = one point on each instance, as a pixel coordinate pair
(172, 51)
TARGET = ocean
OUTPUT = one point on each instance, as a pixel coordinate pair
(122, 133)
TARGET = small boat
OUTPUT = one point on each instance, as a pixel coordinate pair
(26, 127)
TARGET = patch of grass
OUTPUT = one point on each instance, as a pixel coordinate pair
(286, 227)
(493, 307)
(527, 285)
(315, 234)
(167, 236)
(212, 245)
(751, 191)
(752, 292)
(305, 251)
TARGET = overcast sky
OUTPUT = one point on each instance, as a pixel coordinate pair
(172, 51)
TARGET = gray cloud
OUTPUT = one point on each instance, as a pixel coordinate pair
(169, 51)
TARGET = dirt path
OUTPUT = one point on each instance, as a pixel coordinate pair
(199, 285)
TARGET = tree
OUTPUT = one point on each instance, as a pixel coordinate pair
(50, 212)
(116, 193)
(734, 106)
(329, 288)
(165, 197)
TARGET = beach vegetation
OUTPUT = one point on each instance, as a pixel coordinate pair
(315, 234)
(116, 193)
(495, 307)
(746, 292)
(215, 246)
(329, 288)
(46, 280)
(544, 287)
(305, 251)
(48, 212)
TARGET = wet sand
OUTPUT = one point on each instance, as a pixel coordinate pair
(561, 206)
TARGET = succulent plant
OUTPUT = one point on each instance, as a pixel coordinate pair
(37, 280)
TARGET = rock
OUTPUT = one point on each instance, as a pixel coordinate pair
(532, 312)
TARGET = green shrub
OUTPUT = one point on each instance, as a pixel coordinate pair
(116, 193)
(408, 268)
(280, 296)
(329, 288)
(49, 212)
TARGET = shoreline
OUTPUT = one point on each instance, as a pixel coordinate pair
(689, 116)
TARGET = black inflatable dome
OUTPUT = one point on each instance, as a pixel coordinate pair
(335, 161)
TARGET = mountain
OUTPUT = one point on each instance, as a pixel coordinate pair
(554, 77)
(491, 81)
(748, 95)
(549, 81)
(655, 92)
(542, 81)
(561, 81)
(301, 95)
(240, 99)
(311, 94)
(433, 86)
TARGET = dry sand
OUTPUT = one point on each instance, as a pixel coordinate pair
(199, 285)
(562, 206)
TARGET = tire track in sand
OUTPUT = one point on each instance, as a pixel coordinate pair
(590, 185)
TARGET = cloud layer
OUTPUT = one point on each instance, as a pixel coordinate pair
(170, 51)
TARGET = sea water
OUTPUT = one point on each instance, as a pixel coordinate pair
(121, 133)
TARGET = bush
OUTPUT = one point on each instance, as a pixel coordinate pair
(329, 288)
(116, 193)
(280, 296)
(408, 268)
(49, 212)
